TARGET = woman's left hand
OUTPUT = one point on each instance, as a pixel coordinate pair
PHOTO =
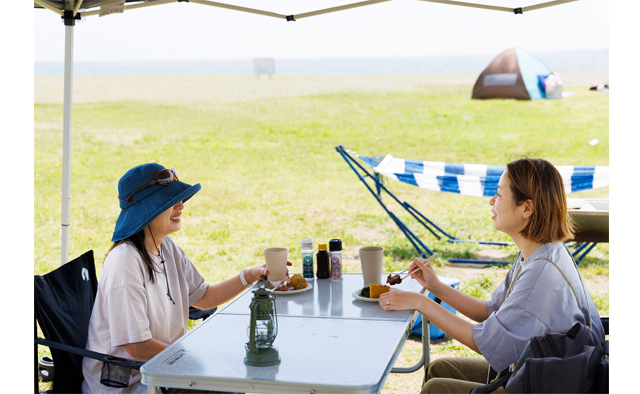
(399, 300)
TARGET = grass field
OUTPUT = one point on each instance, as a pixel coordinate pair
(270, 174)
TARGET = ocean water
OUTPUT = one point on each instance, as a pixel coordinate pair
(575, 60)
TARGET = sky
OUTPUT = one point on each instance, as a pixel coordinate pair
(398, 28)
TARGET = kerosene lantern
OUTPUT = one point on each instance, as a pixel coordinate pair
(262, 329)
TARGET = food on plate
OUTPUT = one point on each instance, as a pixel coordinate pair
(365, 292)
(394, 279)
(375, 290)
(298, 281)
(283, 287)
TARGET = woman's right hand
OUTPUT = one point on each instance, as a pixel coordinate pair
(424, 274)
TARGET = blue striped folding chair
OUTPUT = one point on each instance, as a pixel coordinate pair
(466, 179)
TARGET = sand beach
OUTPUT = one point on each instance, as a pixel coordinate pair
(181, 89)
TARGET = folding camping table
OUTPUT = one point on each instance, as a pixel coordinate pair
(328, 341)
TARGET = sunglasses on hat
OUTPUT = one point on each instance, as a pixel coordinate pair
(163, 177)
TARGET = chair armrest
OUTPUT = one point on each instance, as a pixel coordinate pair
(105, 358)
(196, 314)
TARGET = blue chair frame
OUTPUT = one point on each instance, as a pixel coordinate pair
(420, 247)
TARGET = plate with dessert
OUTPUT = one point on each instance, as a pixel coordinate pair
(294, 285)
(370, 293)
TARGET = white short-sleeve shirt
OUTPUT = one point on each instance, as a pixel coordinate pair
(130, 308)
(533, 300)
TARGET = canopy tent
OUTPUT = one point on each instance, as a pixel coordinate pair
(515, 73)
(72, 10)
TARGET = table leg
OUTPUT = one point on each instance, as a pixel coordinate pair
(152, 390)
(426, 349)
(426, 344)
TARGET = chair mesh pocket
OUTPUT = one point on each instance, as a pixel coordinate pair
(115, 376)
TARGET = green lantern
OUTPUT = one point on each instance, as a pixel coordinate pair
(262, 329)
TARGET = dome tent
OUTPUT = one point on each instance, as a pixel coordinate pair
(515, 74)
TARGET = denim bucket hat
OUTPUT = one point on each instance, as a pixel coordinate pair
(146, 204)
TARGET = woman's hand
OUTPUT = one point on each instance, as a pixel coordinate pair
(399, 300)
(220, 293)
(261, 271)
(425, 275)
(456, 327)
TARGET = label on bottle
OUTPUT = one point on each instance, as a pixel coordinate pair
(336, 267)
(307, 265)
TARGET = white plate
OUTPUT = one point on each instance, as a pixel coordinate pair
(309, 287)
(356, 295)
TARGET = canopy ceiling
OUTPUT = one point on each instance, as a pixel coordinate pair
(80, 8)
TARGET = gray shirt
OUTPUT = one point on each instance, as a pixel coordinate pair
(534, 299)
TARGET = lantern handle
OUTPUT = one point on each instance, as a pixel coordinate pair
(252, 332)
(275, 314)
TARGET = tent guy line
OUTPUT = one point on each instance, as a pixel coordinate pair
(60, 8)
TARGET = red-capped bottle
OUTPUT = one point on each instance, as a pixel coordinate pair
(335, 253)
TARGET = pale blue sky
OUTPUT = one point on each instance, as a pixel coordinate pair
(399, 28)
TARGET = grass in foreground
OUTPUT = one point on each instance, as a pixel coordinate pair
(270, 175)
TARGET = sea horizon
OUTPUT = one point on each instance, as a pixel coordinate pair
(573, 60)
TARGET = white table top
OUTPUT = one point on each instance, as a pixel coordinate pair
(328, 342)
(330, 298)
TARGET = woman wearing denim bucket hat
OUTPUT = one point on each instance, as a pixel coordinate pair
(147, 282)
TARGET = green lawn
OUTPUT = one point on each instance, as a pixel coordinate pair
(270, 175)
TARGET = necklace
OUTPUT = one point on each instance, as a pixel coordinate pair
(164, 268)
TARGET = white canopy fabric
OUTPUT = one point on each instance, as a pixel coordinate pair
(72, 10)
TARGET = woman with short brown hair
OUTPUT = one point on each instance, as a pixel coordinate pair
(541, 183)
(538, 295)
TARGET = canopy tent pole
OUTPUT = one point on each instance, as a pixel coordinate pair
(203, 2)
(334, 9)
(69, 22)
(473, 5)
(77, 7)
(132, 6)
(518, 10)
(48, 5)
(545, 5)
(242, 9)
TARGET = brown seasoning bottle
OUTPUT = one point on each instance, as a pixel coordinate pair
(322, 259)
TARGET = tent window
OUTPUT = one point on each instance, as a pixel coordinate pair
(503, 79)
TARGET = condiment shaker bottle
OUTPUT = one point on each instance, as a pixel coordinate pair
(335, 248)
(306, 248)
(322, 259)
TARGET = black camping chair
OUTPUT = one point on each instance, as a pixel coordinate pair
(63, 303)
